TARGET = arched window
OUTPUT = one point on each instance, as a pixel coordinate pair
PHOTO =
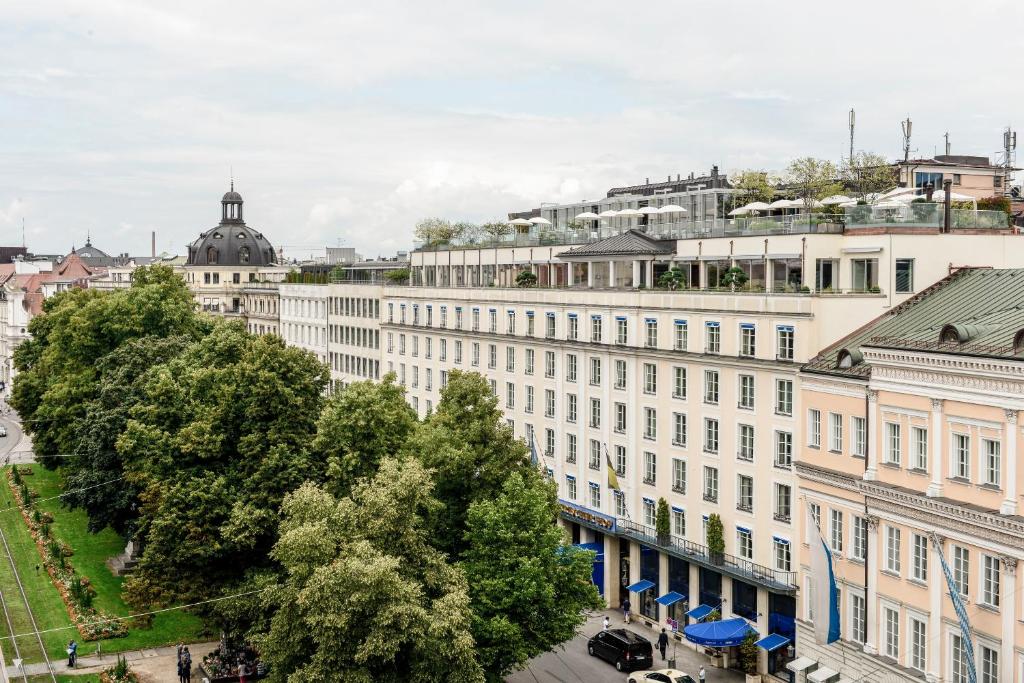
(243, 255)
(211, 255)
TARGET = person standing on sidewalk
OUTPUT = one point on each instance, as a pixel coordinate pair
(625, 610)
(72, 653)
(663, 643)
(702, 676)
(607, 622)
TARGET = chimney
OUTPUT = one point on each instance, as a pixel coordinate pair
(669, 179)
(714, 172)
(678, 177)
(647, 181)
(153, 243)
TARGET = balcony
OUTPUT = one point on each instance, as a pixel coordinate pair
(737, 567)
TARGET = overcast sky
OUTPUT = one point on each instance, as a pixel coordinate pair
(346, 122)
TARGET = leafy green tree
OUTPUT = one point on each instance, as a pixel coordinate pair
(436, 231)
(868, 173)
(359, 427)
(526, 278)
(365, 597)
(398, 276)
(812, 179)
(753, 185)
(716, 537)
(528, 588)
(662, 523)
(734, 277)
(471, 450)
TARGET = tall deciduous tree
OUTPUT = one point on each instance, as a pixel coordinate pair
(366, 598)
(812, 179)
(868, 173)
(437, 230)
(528, 588)
(753, 185)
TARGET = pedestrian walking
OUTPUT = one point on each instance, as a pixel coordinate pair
(181, 676)
(625, 610)
(243, 671)
(702, 675)
(663, 643)
(186, 666)
(607, 622)
(72, 653)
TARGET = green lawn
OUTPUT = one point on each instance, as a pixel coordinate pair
(66, 678)
(90, 554)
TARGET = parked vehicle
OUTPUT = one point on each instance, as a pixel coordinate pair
(626, 650)
(660, 676)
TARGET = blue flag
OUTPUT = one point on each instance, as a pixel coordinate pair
(965, 625)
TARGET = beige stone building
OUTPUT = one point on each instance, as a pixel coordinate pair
(909, 455)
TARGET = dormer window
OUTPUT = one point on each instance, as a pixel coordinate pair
(243, 255)
(217, 236)
(847, 358)
(211, 255)
(240, 235)
(1018, 342)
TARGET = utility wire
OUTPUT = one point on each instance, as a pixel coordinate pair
(66, 493)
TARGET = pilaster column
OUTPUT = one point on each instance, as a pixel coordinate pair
(636, 272)
(936, 456)
(650, 274)
(871, 646)
(935, 609)
(662, 585)
(694, 599)
(872, 438)
(590, 274)
(611, 273)
(762, 627)
(1009, 506)
(569, 273)
(1007, 609)
(611, 571)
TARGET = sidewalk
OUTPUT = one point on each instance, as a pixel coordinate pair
(155, 665)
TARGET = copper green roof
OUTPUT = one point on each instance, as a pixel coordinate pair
(974, 311)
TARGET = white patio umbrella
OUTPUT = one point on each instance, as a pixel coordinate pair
(671, 208)
(799, 204)
(780, 204)
(630, 212)
(890, 203)
(538, 220)
(649, 210)
(757, 206)
(835, 199)
(608, 213)
(741, 210)
(519, 221)
(587, 216)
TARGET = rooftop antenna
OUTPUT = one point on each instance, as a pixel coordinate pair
(1009, 156)
(231, 173)
(906, 126)
(22, 232)
(853, 121)
(947, 142)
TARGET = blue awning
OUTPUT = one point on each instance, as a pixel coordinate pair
(728, 633)
(669, 598)
(700, 611)
(772, 642)
(641, 586)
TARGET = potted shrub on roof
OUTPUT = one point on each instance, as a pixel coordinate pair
(661, 523)
(526, 279)
(716, 539)
(672, 279)
(734, 278)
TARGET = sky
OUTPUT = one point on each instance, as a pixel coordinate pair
(344, 123)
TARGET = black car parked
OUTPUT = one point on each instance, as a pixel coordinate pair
(625, 649)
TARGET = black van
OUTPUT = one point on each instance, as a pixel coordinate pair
(625, 649)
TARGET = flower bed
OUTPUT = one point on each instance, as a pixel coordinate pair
(74, 590)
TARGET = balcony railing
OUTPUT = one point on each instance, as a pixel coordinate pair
(724, 562)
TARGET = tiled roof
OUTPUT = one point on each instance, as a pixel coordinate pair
(980, 309)
(629, 243)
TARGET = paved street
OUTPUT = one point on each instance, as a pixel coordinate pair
(16, 447)
(572, 664)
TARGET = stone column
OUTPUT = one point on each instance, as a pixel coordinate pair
(937, 459)
(569, 273)
(694, 590)
(662, 585)
(590, 274)
(611, 570)
(1009, 506)
(873, 565)
(650, 274)
(762, 627)
(1008, 608)
(634, 576)
(872, 437)
(637, 265)
(611, 273)
(935, 587)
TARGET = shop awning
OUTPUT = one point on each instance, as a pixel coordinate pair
(772, 642)
(700, 611)
(821, 675)
(728, 633)
(799, 664)
(640, 586)
(669, 598)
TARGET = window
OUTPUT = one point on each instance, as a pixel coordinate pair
(710, 435)
(893, 443)
(784, 340)
(678, 522)
(815, 511)
(679, 382)
(836, 531)
(651, 337)
(620, 417)
(961, 456)
(492, 356)
(595, 372)
(990, 580)
(528, 363)
(492, 320)
(858, 444)
(574, 327)
(919, 557)
(595, 412)
(510, 359)
(835, 432)
(904, 275)
(745, 443)
(595, 496)
(570, 487)
(959, 657)
(529, 399)
(549, 364)
(679, 340)
(783, 449)
(620, 460)
(570, 367)
(744, 544)
(865, 274)
(620, 374)
(891, 624)
(595, 329)
(678, 475)
(919, 444)
(711, 387)
(783, 555)
(570, 408)
(650, 423)
(650, 513)
(991, 450)
(650, 378)
(621, 331)
(530, 327)
(784, 397)
(713, 338)
(510, 395)
(620, 504)
(549, 442)
(783, 503)
(549, 402)
(748, 340)
(458, 318)
(476, 319)
(650, 468)
(814, 428)
(595, 454)
(744, 492)
(444, 316)
(962, 569)
(989, 665)
(860, 538)
(711, 484)
(858, 614)
(892, 549)
(678, 429)
(746, 392)
(570, 448)
(549, 331)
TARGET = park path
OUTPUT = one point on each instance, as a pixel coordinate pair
(154, 665)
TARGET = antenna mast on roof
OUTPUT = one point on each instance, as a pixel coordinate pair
(853, 121)
(22, 232)
(1009, 156)
(947, 142)
(906, 126)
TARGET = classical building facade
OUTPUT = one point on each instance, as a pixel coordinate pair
(909, 457)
